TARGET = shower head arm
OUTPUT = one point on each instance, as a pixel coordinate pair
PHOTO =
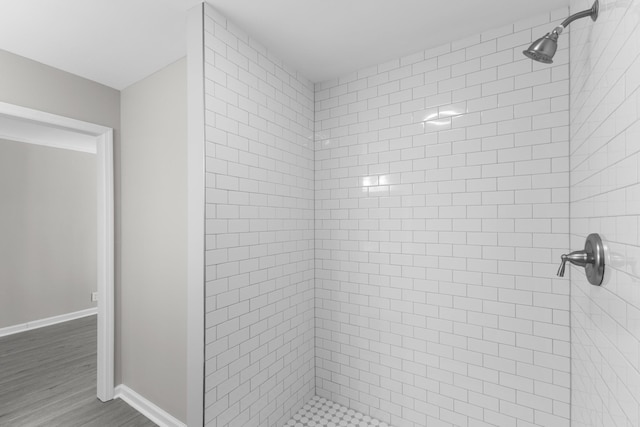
(543, 49)
(593, 13)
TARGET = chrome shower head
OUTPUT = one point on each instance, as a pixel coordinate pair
(543, 49)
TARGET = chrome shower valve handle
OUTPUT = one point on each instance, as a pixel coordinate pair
(579, 258)
(591, 258)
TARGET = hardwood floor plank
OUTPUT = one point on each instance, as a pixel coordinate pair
(48, 378)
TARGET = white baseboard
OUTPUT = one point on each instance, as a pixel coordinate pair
(146, 408)
(35, 324)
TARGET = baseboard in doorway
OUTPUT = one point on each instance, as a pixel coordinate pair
(146, 408)
(35, 324)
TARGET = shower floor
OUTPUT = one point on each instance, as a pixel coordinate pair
(322, 412)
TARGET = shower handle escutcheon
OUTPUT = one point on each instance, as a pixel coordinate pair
(591, 258)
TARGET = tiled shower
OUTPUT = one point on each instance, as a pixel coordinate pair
(441, 207)
(388, 241)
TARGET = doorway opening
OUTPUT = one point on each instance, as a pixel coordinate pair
(27, 125)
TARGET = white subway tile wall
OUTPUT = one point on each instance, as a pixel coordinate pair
(605, 199)
(259, 232)
(442, 208)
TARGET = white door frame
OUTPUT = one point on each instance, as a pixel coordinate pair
(99, 140)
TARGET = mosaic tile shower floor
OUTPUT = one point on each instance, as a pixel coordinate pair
(320, 412)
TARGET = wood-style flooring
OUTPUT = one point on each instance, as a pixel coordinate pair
(48, 378)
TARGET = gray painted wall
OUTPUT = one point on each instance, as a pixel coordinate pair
(35, 85)
(150, 320)
(154, 238)
(48, 229)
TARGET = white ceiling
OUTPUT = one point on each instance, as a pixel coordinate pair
(118, 42)
(113, 42)
(328, 38)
